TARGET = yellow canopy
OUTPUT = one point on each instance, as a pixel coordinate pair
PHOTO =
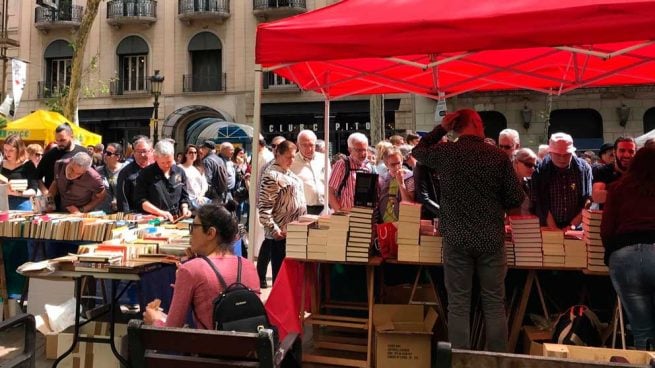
(40, 126)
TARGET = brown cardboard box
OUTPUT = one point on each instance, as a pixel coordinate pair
(96, 355)
(403, 335)
(533, 339)
(599, 355)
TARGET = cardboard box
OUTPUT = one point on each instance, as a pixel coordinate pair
(533, 339)
(86, 354)
(600, 355)
(403, 335)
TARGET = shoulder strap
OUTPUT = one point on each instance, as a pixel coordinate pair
(346, 175)
(238, 269)
(218, 274)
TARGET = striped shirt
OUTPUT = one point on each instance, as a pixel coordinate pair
(347, 199)
(281, 199)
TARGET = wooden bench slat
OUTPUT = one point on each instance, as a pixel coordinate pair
(173, 361)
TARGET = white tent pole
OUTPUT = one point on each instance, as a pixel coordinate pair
(253, 227)
(326, 130)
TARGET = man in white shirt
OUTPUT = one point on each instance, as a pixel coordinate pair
(309, 166)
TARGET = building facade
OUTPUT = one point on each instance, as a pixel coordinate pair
(205, 51)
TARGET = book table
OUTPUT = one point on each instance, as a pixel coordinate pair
(130, 273)
(358, 347)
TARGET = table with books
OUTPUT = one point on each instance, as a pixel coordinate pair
(103, 266)
(314, 245)
(112, 230)
(339, 238)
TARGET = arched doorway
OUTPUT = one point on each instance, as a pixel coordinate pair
(649, 120)
(584, 125)
(58, 56)
(494, 123)
(206, 55)
(176, 124)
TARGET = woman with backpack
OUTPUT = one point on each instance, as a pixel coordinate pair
(196, 286)
(628, 233)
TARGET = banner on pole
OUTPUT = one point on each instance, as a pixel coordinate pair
(19, 73)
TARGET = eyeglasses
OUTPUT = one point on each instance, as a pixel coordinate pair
(109, 154)
(529, 165)
(192, 225)
(38, 154)
(142, 152)
(192, 153)
(505, 147)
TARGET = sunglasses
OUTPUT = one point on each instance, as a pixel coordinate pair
(505, 147)
(109, 154)
(529, 165)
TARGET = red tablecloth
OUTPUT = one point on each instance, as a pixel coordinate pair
(283, 304)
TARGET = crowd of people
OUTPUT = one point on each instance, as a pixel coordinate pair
(466, 181)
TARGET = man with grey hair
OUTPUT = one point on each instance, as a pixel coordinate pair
(309, 166)
(161, 187)
(79, 187)
(320, 146)
(225, 153)
(509, 141)
(342, 179)
(65, 149)
(126, 182)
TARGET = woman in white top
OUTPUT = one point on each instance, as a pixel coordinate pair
(196, 180)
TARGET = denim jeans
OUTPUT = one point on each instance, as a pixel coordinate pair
(632, 270)
(459, 266)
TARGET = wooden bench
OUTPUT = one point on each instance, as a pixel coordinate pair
(164, 347)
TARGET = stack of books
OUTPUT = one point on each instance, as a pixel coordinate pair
(431, 246)
(526, 236)
(19, 185)
(360, 234)
(409, 230)
(297, 239)
(99, 261)
(553, 247)
(317, 242)
(337, 236)
(575, 250)
(595, 251)
(509, 246)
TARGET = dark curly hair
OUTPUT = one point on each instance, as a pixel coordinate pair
(220, 218)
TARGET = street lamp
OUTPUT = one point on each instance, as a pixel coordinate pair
(156, 81)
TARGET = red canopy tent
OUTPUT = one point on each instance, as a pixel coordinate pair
(441, 48)
(431, 46)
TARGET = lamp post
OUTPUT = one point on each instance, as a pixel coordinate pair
(156, 81)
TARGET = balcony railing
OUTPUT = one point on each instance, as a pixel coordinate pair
(48, 89)
(278, 8)
(273, 81)
(131, 11)
(120, 87)
(189, 10)
(204, 82)
(64, 17)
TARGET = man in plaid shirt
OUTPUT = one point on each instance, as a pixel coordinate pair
(561, 185)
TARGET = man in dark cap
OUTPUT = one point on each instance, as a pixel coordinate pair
(215, 171)
(606, 154)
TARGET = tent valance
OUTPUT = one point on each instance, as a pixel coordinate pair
(430, 47)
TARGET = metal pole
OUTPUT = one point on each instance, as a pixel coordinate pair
(326, 130)
(253, 227)
(156, 108)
